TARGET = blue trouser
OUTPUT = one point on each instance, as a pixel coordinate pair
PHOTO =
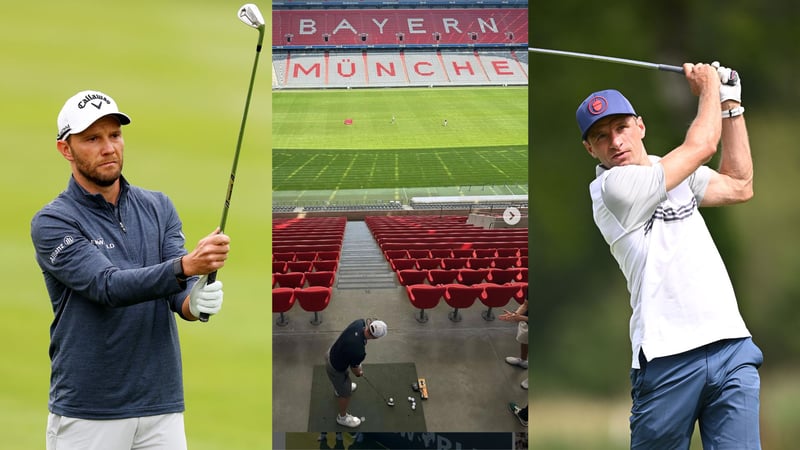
(716, 384)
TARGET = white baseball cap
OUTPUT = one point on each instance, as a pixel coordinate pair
(377, 328)
(83, 109)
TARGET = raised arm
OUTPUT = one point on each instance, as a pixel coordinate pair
(704, 133)
(733, 181)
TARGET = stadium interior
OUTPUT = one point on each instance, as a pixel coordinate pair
(438, 269)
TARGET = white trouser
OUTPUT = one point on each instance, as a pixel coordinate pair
(164, 432)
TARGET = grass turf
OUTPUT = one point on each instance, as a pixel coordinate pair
(485, 141)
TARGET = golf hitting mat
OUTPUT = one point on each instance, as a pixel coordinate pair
(390, 380)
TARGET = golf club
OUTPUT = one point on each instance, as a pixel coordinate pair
(389, 401)
(250, 15)
(630, 62)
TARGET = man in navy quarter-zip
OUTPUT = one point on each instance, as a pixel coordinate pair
(117, 271)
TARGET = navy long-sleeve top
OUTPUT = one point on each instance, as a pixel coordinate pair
(108, 270)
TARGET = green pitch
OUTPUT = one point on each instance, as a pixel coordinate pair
(398, 138)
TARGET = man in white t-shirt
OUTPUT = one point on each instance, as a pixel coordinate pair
(693, 357)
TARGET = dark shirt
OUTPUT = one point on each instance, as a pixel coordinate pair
(350, 348)
(114, 346)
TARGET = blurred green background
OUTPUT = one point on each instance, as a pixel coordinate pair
(580, 346)
(181, 70)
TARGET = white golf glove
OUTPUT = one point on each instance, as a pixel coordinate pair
(205, 298)
(726, 91)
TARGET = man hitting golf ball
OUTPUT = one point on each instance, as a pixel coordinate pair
(693, 360)
(348, 352)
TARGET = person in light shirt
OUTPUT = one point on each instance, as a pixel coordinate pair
(693, 358)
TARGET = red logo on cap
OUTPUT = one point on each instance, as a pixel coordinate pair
(597, 105)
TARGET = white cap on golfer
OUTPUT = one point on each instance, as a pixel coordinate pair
(377, 328)
(83, 109)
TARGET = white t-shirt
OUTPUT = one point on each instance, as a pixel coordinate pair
(681, 295)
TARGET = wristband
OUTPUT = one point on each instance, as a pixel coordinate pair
(177, 269)
(738, 111)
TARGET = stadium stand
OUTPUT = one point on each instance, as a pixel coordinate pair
(458, 45)
(305, 254)
(408, 243)
(425, 245)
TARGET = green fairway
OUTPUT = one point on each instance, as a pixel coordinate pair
(485, 141)
(180, 69)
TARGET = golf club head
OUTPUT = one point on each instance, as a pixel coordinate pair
(250, 15)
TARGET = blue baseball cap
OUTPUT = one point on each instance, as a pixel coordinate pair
(601, 104)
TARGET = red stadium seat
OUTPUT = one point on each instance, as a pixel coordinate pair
(523, 261)
(278, 266)
(441, 253)
(282, 301)
(298, 266)
(315, 299)
(463, 253)
(411, 276)
(283, 256)
(327, 256)
(472, 276)
(496, 296)
(461, 296)
(403, 264)
(479, 263)
(454, 263)
(395, 254)
(324, 266)
(428, 263)
(305, 256)
(505, 262)
(322, 278)
(417, 254)
(501, 252)
(289, 280)
(522, 294)
(485, 252)
(424, 296)
(442, 276)
(501, 276)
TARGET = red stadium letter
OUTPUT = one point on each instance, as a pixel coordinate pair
(380, 68)
(421, 63)
(341, 65)
(299, 68)
(467, 67)
(501, 67)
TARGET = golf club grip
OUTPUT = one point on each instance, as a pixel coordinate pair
(668, 68)
(211, 278)
(733, 79)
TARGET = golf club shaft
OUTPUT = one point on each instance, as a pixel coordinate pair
(373, 387)
(629, 62)
(213, 275)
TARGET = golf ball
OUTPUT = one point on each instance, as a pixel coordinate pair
(414, 406)
(391, 400)
(363, 418)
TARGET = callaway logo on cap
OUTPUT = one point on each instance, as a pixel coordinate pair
(83, 109)
(601, 104)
